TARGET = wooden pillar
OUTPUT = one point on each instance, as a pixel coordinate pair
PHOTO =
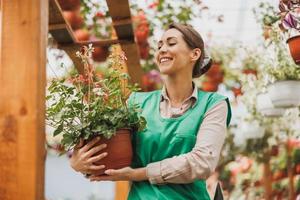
(267, 179)
(23, 28)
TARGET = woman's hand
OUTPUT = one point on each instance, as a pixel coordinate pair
(124, 174)
(83, 158)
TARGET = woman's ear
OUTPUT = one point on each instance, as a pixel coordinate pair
(195, 54)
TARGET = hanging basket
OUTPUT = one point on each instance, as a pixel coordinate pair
(252, 130)
(265, 106)
(119, 151)
(294, 45)
(285, 94)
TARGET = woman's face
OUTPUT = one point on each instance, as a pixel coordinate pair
(173, 55)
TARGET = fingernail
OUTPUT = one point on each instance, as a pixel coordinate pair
(103, 166)
(105, 154)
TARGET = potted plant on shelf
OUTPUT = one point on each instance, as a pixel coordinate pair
(290, 11)
(284, 87)
(87, 106)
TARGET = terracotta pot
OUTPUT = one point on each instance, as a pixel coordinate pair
(119, 151)
(267, 32)
(100, 54)
(73, 18)
(215, 73)
(297, 169)
(148, 84)
(294, 45)
(141, 33)
(82, 35)
(69, 4)
(237, 91)
(250, 71)
(144, 50)
(209, 86)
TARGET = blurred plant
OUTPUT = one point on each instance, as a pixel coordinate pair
(266, 14)
(290, 12)
(280, 65)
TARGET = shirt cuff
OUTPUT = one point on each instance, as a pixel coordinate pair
(153, 172)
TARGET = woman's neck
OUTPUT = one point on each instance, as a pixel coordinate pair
(178, 89)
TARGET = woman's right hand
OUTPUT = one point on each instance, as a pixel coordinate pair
(83, 157)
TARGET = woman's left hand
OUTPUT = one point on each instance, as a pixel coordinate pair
(123, 174)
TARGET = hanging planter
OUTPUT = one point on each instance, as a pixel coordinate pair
(265, 106)
(73, 18)
(100, 54)
(252, 130)
(285, 94)
(69, 4)
(144, 50)
(215, 73)
(82, 35)
(209, 86)
(294, 45)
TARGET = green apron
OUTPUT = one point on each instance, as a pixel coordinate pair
(167, 137)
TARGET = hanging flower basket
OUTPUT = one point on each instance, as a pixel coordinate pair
(252, 130)
(294, 45)
(265, 106)
(100, 54)
(285, 94)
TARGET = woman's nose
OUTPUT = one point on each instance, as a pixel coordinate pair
(163, 48)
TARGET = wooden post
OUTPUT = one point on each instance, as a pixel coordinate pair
(267, 179)
(24, 25)
(290, 171)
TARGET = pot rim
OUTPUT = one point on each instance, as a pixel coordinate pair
(293, 38)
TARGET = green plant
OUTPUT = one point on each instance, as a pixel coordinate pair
(281, 66)
(85, 106)
(266, 14)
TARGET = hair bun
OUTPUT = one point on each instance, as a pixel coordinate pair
(206, 64)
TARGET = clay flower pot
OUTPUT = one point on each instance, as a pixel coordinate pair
(250, 71)
(82, 35)
(215, 73)
(119, 151)
(73, 18)
(69, 4)
(294, 45)
(100, 54)
(209, 86)
(144, 50)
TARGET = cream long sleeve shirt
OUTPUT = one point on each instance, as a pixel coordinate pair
(204, 157)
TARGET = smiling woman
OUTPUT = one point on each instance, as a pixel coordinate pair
(185, 131)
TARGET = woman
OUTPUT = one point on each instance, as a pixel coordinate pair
(185, 131)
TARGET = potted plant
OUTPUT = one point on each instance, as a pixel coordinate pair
(290, 11)
(87, 106)
(284, 87)
(265, 106)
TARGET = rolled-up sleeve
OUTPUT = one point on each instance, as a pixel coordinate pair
(204, 157)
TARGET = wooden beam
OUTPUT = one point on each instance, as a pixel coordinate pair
(22, 98)
(120, 14)
(59, 28)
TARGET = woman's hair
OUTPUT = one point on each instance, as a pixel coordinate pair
(194, 40)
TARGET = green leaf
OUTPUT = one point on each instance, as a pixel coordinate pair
(58, 130)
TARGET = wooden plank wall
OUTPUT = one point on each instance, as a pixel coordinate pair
(22, 80)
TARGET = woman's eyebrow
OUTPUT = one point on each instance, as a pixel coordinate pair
(169, 38)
